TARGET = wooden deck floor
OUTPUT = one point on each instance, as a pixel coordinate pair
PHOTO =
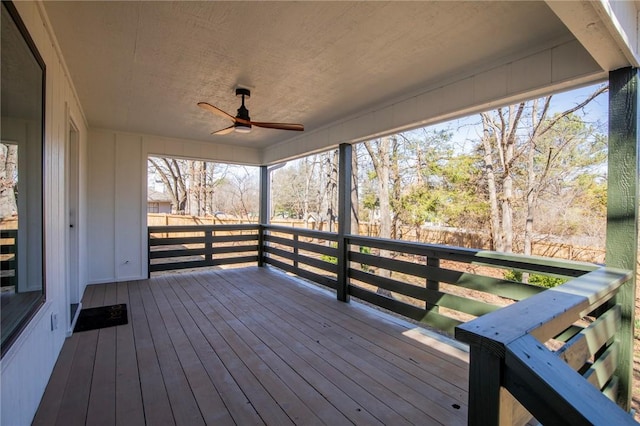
(250, 346)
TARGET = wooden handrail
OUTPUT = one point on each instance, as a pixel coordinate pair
(509, 341)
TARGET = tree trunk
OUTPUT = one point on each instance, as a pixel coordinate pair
(355, 202)
(382, 166)
(496, 225)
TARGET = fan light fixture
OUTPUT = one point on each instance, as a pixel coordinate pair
(241, 128)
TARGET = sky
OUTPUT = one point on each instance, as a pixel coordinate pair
(468, 128)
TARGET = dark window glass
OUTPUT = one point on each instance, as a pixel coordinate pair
(21, 177)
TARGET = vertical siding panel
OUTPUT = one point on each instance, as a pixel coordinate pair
(128, 194)
(101, 202)
(27, 365)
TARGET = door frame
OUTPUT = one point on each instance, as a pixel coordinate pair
(71, 215)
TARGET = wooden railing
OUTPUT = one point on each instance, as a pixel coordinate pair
(436, 284)
(180, 247)
(9, 257)
(515, 369)
(514, 376)
(306, 253)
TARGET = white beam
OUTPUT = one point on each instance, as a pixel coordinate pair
(607, 30)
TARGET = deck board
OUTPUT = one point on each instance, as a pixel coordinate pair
(128, 398)
(250, 346)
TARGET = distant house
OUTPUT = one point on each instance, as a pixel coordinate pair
(158, 202)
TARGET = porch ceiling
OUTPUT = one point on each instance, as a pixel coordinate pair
(142, 66)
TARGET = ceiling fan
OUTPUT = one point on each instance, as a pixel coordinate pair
(241, 122)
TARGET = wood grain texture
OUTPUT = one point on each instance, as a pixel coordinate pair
(622, 208)
(251, 346)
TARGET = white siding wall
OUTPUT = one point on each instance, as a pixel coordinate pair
(117, 196)
(26, 367)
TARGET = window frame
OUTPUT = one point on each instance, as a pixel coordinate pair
(30, 313)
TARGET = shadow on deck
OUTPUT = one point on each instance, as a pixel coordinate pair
(251, 346)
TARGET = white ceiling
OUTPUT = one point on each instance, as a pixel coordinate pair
(142, 66)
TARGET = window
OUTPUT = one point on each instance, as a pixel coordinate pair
(21, 177)
(153, 207)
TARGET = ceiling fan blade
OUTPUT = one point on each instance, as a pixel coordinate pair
(216, 110)
(281, 126)
(224, 131)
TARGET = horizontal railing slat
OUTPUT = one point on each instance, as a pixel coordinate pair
(202, 228)
(496, 286)
(320, 235)
(387, 303)
(162, 254)
(8, 233)
(312, 276)
(409, 268)
(169, 266)
(583, 346)
(602, 370)
(440, 322)
(8, 265)
(611, 390)
(8, 249)
(234, 260)
(320, 264)
(389, 284)
(233, 238)
(460, 304)
(303, 245)
(217, 250)
(176, 241)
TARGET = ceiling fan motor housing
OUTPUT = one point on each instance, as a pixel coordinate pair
(243, 112)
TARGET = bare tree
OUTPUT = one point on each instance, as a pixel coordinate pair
(511, 144)
(8, 180)
(380, 152)
(171, 173)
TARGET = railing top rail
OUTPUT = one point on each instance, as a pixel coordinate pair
(507, 260)
(300, 231)
(543, 315)
(196, 228)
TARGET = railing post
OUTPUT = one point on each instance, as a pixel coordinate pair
(485, 371)
(148, 253)
(431, 284)
(295, 251)
(264, 212)
(344, 219)
(622, 210)
(208, 246)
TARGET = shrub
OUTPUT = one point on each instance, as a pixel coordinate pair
(334, 260)
(535, 279)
